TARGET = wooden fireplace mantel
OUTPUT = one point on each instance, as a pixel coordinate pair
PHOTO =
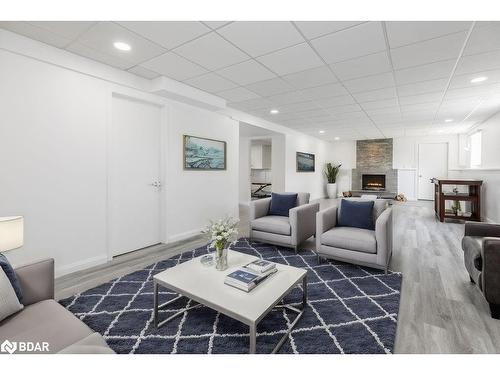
(473, 196)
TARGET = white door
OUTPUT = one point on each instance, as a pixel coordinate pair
(432, 162)
(134, 176)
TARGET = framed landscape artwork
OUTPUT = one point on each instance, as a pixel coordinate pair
(204, 154)
(305, 162)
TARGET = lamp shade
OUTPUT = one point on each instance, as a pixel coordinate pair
(11, 232)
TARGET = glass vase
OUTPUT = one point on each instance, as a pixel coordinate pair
(221, 257)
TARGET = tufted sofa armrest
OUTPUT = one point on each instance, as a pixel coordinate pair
(482, 229)
(491, 269)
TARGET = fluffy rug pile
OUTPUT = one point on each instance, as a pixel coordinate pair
(350, 309)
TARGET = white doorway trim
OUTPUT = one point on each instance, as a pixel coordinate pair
(418, 171)
(163, 142)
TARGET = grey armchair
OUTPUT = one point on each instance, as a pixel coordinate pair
(481, 246)
(284, 231)
(372, 248)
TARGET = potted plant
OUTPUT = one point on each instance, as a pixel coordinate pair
(222, 234)
(331, 172)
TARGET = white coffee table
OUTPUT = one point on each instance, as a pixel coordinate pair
(205, 285)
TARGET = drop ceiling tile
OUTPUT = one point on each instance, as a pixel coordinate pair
(298, 107)
(143, 72)
(335, 101)
(289, 98)
(260, 37)
(443, 48)
(484, 39)
(310, 77)
(467, 92)
(431, 97)
(380, 104)
(479, 62)
(375, 95)
(357, 41)
(102, 35)
(211, 51)
(211, 82)
(216, 24)
(168, 34)
(325, 91)
(374, 82)
(344, 109)
(238, 94)
(420, 107)
(314, 29)
(384, 111)
(99, 56)
(291, 60)
(375, 63)
(58, 34)
(440, 69)
(174, 66)
(246, 72)
(257, 103)
(424, 87)
(401, 33)
(270, 87)
(463, 80)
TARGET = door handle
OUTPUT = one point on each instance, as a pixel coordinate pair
(156, 184)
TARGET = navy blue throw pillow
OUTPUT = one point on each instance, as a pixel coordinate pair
(11, 275)
(281, 204)
(356, 214)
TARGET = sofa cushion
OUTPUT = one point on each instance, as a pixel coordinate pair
(93, 344)
(272, 224)
(356, 239)
(9, 304)
(356, 214)
(282, 203)
(44, 321)
(11, 274)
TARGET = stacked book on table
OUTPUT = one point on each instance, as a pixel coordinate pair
(249, 276)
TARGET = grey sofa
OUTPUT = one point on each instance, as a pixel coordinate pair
(481, 246)
(45, 320)
(284, 231)
(372, 248)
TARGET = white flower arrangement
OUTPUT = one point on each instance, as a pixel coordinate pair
(222, 232)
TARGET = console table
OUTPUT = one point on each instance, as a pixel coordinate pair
(473, 196)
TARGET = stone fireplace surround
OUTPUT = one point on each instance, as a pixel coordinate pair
(374, 156)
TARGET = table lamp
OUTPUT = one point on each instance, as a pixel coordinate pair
(11, 232)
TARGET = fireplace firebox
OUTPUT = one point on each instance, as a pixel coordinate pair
(373, 182)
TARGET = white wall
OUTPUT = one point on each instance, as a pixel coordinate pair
(311, 182)
(344, 152)
(244, 171)
(489, 171)
(195, 197)
(53, 162)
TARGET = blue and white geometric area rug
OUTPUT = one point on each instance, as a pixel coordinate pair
(350, 309)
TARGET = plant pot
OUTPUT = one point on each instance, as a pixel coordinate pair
(331, 189)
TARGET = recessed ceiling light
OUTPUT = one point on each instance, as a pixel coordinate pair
(336, 138)
(448, 120)
(321, 132)
(122, 46)
(478, 79)
(274, 111)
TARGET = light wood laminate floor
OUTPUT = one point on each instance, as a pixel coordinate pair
(440, 310)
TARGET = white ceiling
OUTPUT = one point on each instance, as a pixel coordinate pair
(352, 80)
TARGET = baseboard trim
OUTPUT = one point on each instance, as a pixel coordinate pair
(183, 236)
(81, 265)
